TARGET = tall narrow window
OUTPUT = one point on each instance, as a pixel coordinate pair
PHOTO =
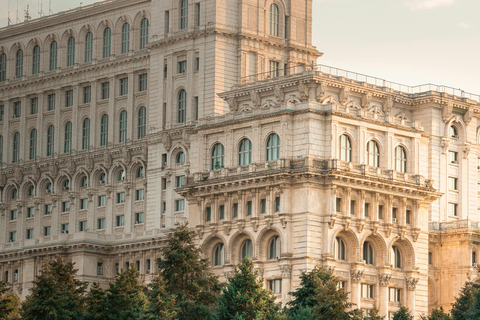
(50, 140)
(274, 248)
(51, 102)
(53, 55)
(107, 42)
(123, 86)
(105, 90)
(33, 144)
(104, 130)
(34, 105)
(247, 249)
(373, 153)
(68, 137)
(36, 60)
(339, 251)
(182, 106)
(3, 67)
(71, 52)
(142, 122)
(367, 253)
(123, 126)
(19, 64)
(273, 147)
(69, 98)
(245, 152)
(16, 147)
(345, 148)
(273, 67)
(143, 33)
(274, 18)
(183, 14)
(218, 156)
(88, 47)
(197, 14)
(1, 149)
(142, 82)
(396, 257)
(17, 109)
(219, 255)
(400, 159)
(125, 38)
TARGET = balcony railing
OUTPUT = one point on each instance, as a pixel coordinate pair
(454, 225)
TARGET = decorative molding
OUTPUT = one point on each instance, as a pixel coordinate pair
(411, 283)
(356, 275)
(286, 270)
(384, 279)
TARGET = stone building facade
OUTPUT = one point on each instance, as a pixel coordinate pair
(122, 119)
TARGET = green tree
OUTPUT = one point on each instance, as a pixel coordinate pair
(95, 303)
(319, 292)
(402, 314)
(438, 314)
(125, 299)
(9, 303)
(245, 298)
(464, 301)
(188, 277)
(56, 294)
(374, 314)
(161, 305)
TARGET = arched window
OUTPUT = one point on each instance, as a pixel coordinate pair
(66, 184)
(339, 249)
(400, 159)
(19, 64)
(123, 126)
(14, 194)
(1, 149)
(50, 140)
(68, 137)
(102, 179)
(33, 144)
(183, 14)
(31, 191)
(36, 60)
(247, 249)
(48, 187)
(121, 175)
(104, 130)
(125, 38)
(143, 33)
(107, 42)
(86, 134)
(345, 148)
(218, 156)
(3, 67)
(53, 55)
(219, 255)
(373, 152)
(70, 51)
(180, 157)
(142, 122)
(88, 47)
(16, 147)
(274, 249)
(396, 257)
(274, 19)
(140, 172)
(84, 182)
(245, 152)
(453, 132)
(273, 147)
(367, 253)
(182, 106)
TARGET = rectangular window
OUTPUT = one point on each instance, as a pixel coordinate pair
(352, 207)
(17, 109)
(87, 94)
(121, 197)
(137, 265)
(222, 212)
(452, 183)
(48, 209)
(13, 236)
(148, 266)
(249, 208)
(47, 231)
(235, 210)
(453, 157)
(197, 14)
(338, 205)
(179, 205)
(51, 102)
(263, 205)
(452, 209)
(474, 258)
(82, 226)
(277, 204)
(142, 82)
(2, 111)
(273, 68)
(138, 217)
(164, 183)
(164, 205)
(275, 286)
(367, 210)
(430, 258)
(196, 107)
(367, 291)
(29, 233)
(30, 212)
(380, 212)
(101, 223)
(65, 228)
(99, 268)
(83, 204)
(34, 106)
(394, 215)
(68, 98)
(167, 22)
(394, 294)
(208, 214)
(65, 206)
(117, 268)
(13, 214)
(182, 66)
(341, 285)
(120, 221)
(105, 90)
(102, 200)
(123, 86)
(408, 217)
(140, 195)
(197, 63)
(179, 181)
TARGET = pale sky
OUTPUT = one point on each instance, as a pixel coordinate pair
(407, 41)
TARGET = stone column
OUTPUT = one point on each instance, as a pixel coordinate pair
(286, 270)
(383, 280)
(356, 277)
(411, 284)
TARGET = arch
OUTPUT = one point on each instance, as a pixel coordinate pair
(352, 249)
(273, 147)
(345, 147)
(97, 173)
(138, 163)
(459, 125)
(331, 100)
(263, 240)
(274, 20)
(71, 47)
(379, 247)
(116, 170)
(78, 176)
(373, 153)
(11, 185)
(353, 104)
(60, 182)
(234, 245)
(107, 42)
(407, 250)
(217, 156)
(53, 55)
(244, 148)
(36, 59)
(26, 188)
(144, 30)
(138, 18)
(209, 245)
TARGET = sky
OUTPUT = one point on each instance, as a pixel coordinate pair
(411, 42)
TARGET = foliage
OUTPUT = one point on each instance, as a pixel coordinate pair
(464, 301)
(9, 303)
(56, 294)
(245, 298)
(374, 314)
(95, 303)
(161, 304)
(438, 314)
(188, 277)
(402, 314)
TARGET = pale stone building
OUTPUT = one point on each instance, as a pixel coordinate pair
(122, 119)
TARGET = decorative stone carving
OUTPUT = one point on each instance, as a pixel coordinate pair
(255, 98)
(232, 103)
(167, 141)
(320, 92)
(447, 111)
(269, 103)
(89, 163)
(466, 150)
(71, 166)
(127, 156)
(279, 94)
(107, 159)
(388, 105)
(37, 173)
(384, 279)
(468, 116)
(303, 89)
(444, 144)
(344, 95)
(259, 270)
(356, 275)
(411, 283)
(367, 99)
(18, 175)
(286, 270)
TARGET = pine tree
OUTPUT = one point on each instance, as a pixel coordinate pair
(188, 277)
(439, 314)
(464, 301)
(374, 314)
(161, 305)
(9, 303)
(125, 299)
(245, 298)
(56, 294)
(95, 303)
(402, 314)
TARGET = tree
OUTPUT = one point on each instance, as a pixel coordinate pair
(125, 299)
(319, 292)
(245, 298)
(161, 305)
(402, 314)
(439, 314)
(464, 301)
(374, 314)
(95, 303)
(9, 303)
(188, 277)
(56, 294)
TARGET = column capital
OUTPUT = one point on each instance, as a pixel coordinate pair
(384, 279)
